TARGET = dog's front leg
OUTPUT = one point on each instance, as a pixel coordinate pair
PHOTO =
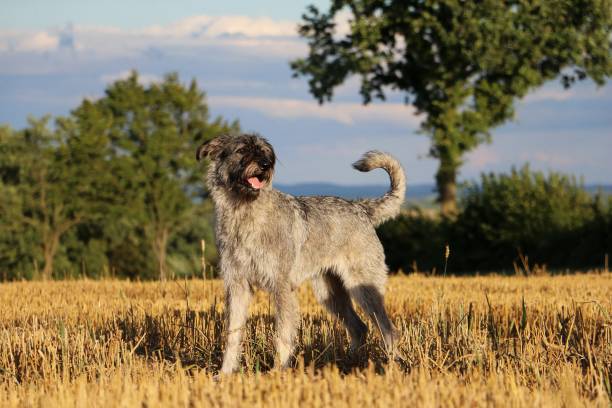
(237, 299)
(287, 318)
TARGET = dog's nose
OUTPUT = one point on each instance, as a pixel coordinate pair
(264, 164)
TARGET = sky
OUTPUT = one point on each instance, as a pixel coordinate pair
(55, 53)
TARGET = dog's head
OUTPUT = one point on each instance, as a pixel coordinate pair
(242, 164)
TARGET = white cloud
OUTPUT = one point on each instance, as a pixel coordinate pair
(483, 157)
(261, 35)
(545, 94)
(207, 26)
(554, 92)
(226, 35)
(342, 112)
(234, 84)
(554, 159)
(40, 41)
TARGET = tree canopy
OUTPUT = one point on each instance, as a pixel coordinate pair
(114, 186)
(462, 64)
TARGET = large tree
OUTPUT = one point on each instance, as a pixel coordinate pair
(153, 130)
(461, 63)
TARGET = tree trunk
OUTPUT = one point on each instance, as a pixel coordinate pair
(160, 246)
(49, 249)
(446, 180)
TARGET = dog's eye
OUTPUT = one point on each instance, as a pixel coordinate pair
(242, 150)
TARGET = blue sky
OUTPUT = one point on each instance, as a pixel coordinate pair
(53, 54)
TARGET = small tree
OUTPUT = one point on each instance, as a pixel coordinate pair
(17, 247)
(49, 191)
(463, 64)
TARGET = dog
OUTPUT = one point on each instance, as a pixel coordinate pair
(274, 241)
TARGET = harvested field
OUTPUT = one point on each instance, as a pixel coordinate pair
(475, 341)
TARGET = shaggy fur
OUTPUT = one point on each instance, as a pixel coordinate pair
(274, 241)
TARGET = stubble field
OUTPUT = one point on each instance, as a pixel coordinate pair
(474, 341)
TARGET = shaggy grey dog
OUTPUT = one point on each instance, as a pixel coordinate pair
(274, 241)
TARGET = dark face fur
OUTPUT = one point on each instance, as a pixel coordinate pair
(243, 164)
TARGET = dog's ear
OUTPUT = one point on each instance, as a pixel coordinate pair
(210, 148)
(272, 153)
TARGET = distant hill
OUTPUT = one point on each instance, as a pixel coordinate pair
(605, 189)
(414, 192)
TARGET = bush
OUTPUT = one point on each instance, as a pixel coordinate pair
(413, 241)
(550, 219)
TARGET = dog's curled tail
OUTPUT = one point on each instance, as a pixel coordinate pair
(387, 206)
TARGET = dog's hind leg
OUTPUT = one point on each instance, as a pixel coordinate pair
(369, 296)
(287, 319)
(330, 292)
(237, 299)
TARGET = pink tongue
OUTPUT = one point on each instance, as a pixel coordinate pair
(255, 183)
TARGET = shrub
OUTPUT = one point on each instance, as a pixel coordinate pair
(549, 219)
(413, 241)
